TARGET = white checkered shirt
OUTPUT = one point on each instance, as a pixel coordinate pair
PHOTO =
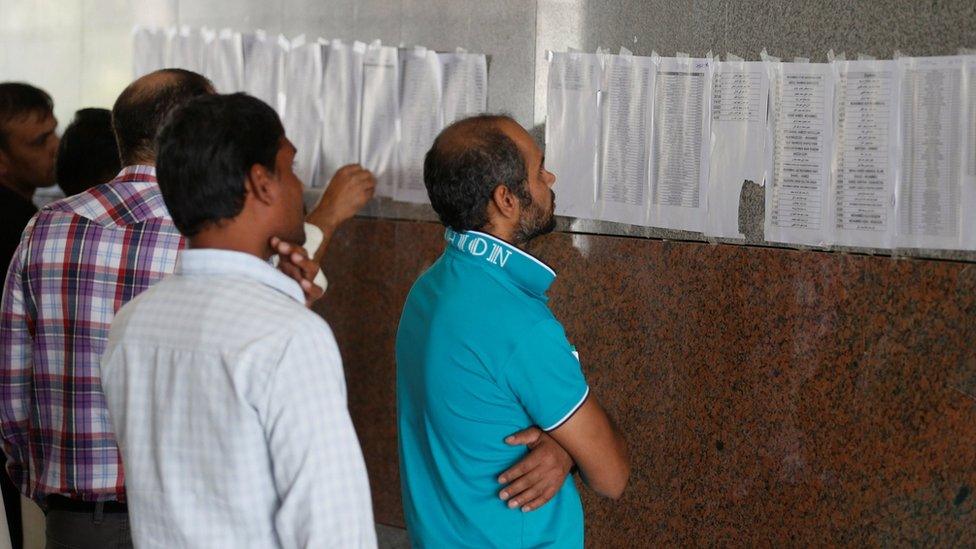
(229, 405)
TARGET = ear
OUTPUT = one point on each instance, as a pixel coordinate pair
(262, 185)
(506, 203)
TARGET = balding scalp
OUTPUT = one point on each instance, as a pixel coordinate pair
(144, 106)
(467, 161)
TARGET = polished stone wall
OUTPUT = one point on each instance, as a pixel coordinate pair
(768, 395)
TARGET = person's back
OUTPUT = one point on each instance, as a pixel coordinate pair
(472, 332)
(227, 395)
(481, 359)
(228, 351)
(79, 261)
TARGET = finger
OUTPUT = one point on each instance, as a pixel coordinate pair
(309, 268)
(526, 464)
(347, 169)
(357, 172)
(360, 178)
(539, 501)
(520, 485)
(525, 436)
(280, 246)
(312, 291)
(299, 256)
(300, 263)
(525, 495)
(292, 272)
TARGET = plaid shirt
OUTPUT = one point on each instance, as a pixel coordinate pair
(79, 261)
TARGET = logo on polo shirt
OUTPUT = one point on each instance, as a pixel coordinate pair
(478, 246)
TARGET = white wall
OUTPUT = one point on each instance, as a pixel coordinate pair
(79, 51)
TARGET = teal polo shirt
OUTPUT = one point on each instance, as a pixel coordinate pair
(479, 357)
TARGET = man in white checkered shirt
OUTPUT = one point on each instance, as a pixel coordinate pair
(227, 394)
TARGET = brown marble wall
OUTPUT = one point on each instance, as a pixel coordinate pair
(768, 395)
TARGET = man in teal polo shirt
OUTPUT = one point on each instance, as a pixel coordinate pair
(480, 356)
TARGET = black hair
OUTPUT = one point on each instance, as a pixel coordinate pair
(467, 161)
(88, 154)
(206, 151)
(141, 109)
(17, 100)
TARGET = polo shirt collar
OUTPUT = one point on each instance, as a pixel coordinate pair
(522, 268)
(210, 261)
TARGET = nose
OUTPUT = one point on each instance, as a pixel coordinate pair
(550, 178)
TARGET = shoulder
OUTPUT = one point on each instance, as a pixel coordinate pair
(114, 203)
(546, 334)
(263, 309)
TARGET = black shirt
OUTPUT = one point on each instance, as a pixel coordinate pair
(15, 212)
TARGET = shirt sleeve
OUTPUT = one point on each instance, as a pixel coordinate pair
(316, 460)
(545, 375)
(16, 344)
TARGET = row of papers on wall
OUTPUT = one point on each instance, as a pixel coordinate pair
(865, 153)
(340, 102)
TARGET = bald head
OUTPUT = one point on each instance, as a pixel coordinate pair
(467, 161)
(472, 133)
(143, 107)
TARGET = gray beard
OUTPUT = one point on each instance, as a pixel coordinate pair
(534, 223)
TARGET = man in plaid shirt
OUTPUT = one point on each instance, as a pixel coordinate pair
(80, 260)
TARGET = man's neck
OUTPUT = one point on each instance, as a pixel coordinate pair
(500, 234)
(151, 162)
(213, 239)
(25, 192)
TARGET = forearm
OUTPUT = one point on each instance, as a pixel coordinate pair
(610, 478)
(348, 191)
(328, 225)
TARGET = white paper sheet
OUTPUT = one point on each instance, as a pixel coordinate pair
(862, 189)
(185, 49)
(465, 77)
(626, 140)
(381, 110)
(264, 68)
(303, 106)
(342, 102)
(224, 62)
(740, 90)
(421, 118)
(799, 146)
(969, 183)
(148, 50)
(680, 145)
(573, 133)
(928, 191)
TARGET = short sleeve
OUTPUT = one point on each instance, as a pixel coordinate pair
(544, 375)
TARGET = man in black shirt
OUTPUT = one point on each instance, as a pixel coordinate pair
(28, 146)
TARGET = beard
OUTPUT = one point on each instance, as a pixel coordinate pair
(536, 221)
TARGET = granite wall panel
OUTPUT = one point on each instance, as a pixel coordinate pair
(768, 395)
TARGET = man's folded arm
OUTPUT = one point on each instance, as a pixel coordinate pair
(597, 448)
(545, 375)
